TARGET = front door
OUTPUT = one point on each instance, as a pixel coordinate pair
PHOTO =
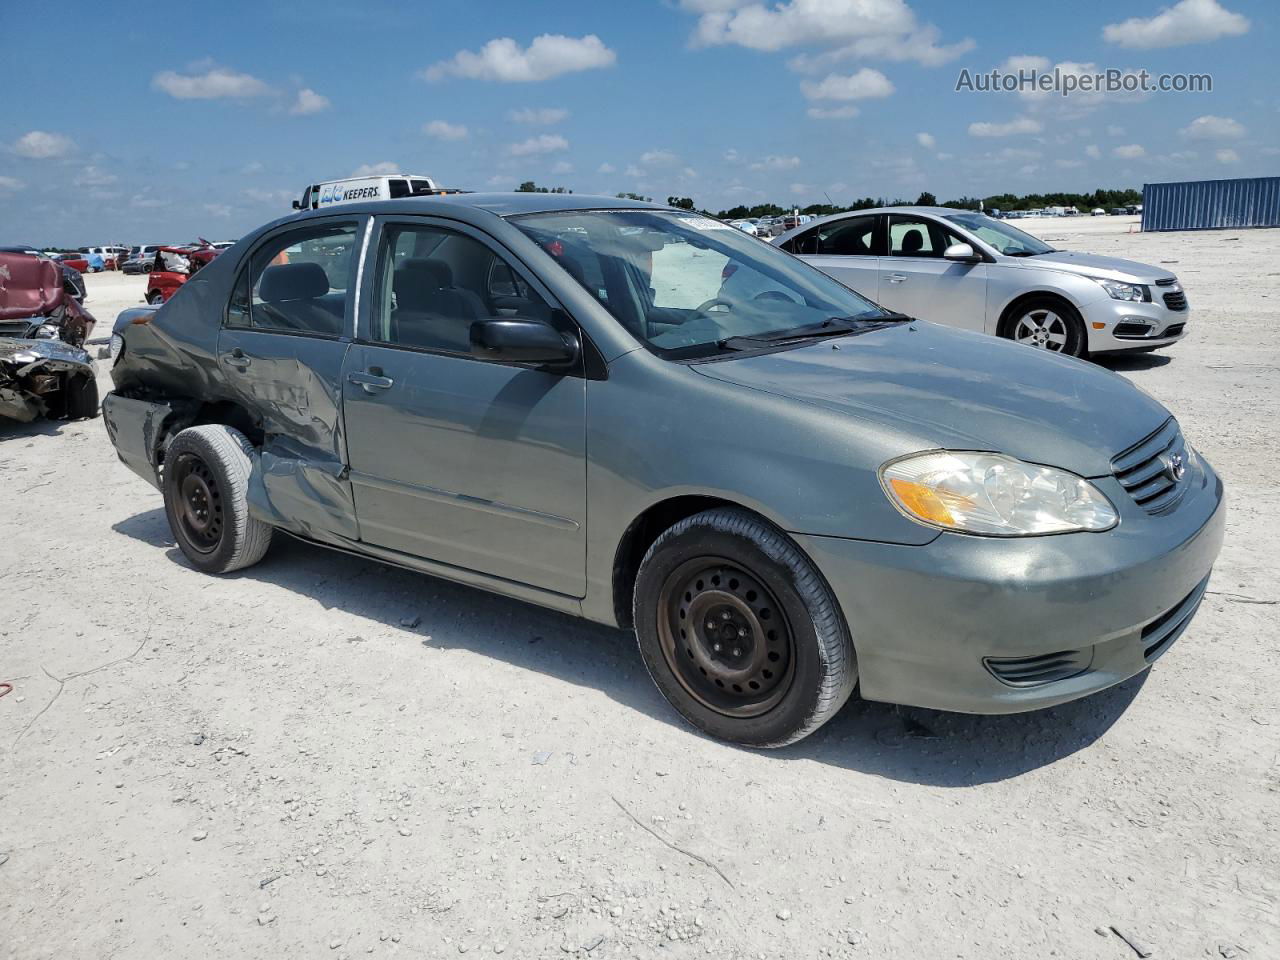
(459, 460)
(916, 280)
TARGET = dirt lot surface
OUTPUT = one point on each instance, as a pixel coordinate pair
(326, 757)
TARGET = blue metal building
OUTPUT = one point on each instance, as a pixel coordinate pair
(1211, 204)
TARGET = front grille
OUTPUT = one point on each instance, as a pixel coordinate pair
(1173, 330)
(1159, 634)
(1145, 469)
(1044, 668)
(1167, 282)
(1176, 301)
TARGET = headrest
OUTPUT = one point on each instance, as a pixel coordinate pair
(435, 273)
(293, 281)
(913, 241)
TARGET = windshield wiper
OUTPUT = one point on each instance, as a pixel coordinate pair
(831, 327)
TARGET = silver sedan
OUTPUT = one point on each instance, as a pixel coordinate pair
(967, 270)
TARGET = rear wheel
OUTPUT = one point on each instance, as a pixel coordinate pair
(740, 632)
(1047, 323)
(154, 298)
(206, 483)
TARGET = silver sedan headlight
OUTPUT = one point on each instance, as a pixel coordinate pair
(1116, 290)
(993, 495)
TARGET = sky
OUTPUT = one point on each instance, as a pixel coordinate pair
(138, 126)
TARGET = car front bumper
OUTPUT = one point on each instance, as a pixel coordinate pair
(1116, 325)
(939, 625)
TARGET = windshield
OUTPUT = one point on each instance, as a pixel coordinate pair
(1008, 240)
(685, 284)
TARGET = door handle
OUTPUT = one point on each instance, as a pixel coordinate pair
(896, 277)
(237, 359)
(370, 382)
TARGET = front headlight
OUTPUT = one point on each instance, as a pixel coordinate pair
(1116, 290)
(46, 331)
(115, 345)
(994, 495)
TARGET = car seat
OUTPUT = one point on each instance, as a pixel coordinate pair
(294, 297)
(430, 311)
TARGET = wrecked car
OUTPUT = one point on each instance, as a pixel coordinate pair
(174, 266)
(786, 490)
(44, 369)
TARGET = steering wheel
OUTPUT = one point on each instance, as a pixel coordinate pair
(714, 302)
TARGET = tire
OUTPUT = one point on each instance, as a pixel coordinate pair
(154, 298)
(81, 402)
(770, 659)
(206, 483)
(1048, 323)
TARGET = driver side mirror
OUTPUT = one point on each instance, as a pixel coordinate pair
(518, 340)
(961, 253)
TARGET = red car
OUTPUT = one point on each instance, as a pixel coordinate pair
(76, 261)
(173, 267)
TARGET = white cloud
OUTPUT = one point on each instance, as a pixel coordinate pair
(443, 130)
(1130, 151)
(1066, 164)
(926, 140)
(221, 210)
(272, 197)
(252, 167)
(859, 29)
(799, 189)
(1188, 21)
(1013, 127)
(1093, 151)
(1227, 156)
(607, 168)
(308, 102)
(543, 143)
(858, 86)
(1115, 131)
(833, 113)
(504, 60)
(213, 84)
(376, 169)
(92, 176)
(10, 183)
(540, 116)
(562, 166)
(40, 145)
(658, 158)
(776, 163)
(144, 200)
(1210, 127)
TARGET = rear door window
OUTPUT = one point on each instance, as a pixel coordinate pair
(301, 281)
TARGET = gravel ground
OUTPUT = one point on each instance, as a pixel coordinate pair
(324, 756)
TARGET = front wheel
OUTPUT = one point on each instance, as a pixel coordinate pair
(740, 632)
(206, 485)
(154, 298)
(1048, 324)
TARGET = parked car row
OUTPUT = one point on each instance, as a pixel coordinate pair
(640, 416)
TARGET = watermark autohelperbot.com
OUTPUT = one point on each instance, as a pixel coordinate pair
(1067, 82)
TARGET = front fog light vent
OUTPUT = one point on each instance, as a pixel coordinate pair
(1044, 668)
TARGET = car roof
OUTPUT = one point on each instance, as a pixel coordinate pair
(500, 204)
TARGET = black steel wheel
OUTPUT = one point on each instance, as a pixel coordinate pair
(725, 637)
(199, 505)
(739, 630)
(205, 480)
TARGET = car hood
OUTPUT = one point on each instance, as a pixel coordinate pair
(951, 389)
(1093, 265)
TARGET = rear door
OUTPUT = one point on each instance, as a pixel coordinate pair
(281, 349)
(460, 460)
(916, 280)
(847, 249)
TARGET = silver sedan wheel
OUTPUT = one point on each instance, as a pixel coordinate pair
(1041, 328)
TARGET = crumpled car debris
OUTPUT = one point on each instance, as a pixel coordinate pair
(44, 369)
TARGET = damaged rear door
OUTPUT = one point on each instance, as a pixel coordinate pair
(281, 350)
